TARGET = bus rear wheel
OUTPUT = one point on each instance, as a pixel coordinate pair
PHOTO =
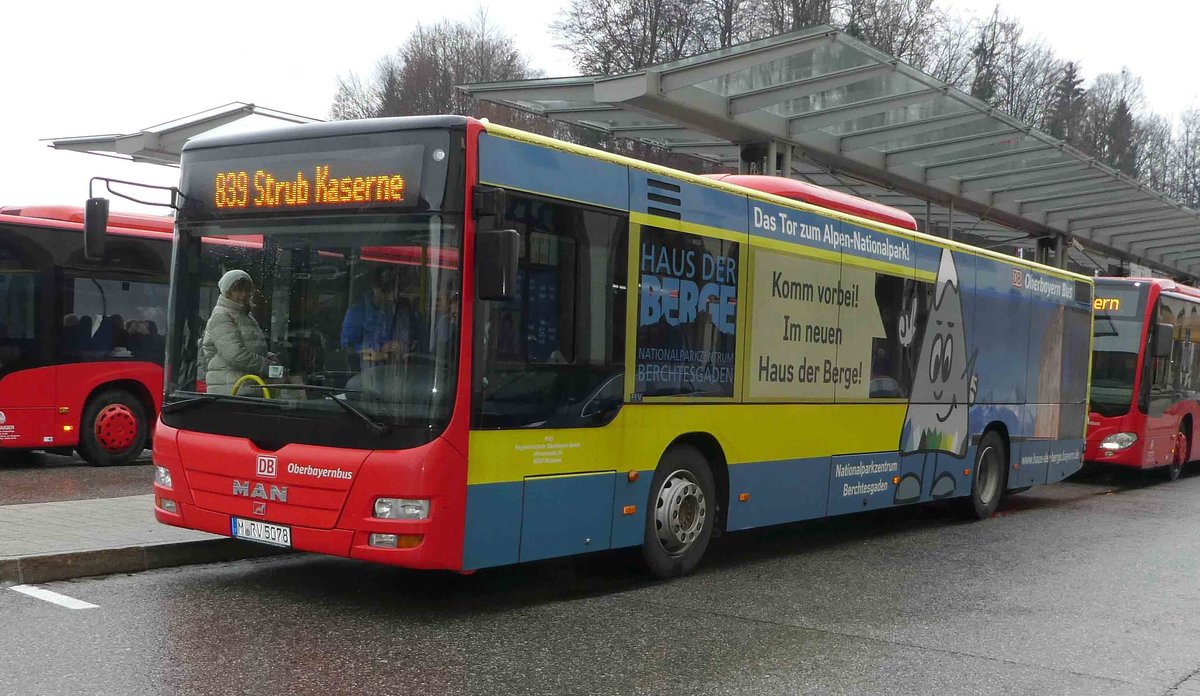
(680, 514)
(114, 429)
(991, 473)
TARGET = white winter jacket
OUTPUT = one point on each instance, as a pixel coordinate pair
(234, 346)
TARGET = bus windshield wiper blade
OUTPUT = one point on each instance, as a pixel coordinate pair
(173, 406)
(331, 393)
(201, 398)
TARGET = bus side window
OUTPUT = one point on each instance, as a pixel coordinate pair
(548, 356)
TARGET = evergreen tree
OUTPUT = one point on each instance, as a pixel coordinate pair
(1067, 111)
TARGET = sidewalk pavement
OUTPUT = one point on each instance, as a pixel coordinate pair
(40, 542)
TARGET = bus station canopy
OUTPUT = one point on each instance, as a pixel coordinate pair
(844, 115)
(162, 144)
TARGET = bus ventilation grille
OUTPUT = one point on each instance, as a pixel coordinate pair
(658, 194)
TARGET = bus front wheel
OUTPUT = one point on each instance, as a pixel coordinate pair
(988, 483)
(114, 429)
(1179, 455)
(680, 514)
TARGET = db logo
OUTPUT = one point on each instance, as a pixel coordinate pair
(266, 467)
(1018, 278)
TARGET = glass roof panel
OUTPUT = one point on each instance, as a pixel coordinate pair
(822, 60)
(963, 130)
(875, 87)
(551, 104)
(916, 111)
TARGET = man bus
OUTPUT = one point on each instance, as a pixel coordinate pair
(1145, 385)
(641, 357)
(81, 341)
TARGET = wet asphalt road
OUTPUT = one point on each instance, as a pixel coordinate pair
(1086, 587)
(40, 477)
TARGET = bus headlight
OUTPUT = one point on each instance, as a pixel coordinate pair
(1118, 441)
(401, 509)
(162, 476)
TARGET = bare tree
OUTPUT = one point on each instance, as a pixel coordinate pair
(422, 75)
(1187, 158)
(353, 100)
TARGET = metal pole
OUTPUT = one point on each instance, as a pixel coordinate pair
(950, 222)
(928, 217)
(787, 160)
(772, 149)
(1060, 259)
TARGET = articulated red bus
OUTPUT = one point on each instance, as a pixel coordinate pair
(441, 343)
(1145, 375)
(81, 342)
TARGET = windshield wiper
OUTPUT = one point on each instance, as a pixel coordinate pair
(330, 393)
(173, 406)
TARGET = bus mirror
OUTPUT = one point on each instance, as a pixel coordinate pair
(95, 228)
(1164, 335)
(496, 263)
(489, 200)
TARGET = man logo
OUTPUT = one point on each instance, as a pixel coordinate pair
(260, 509)
(267, 466)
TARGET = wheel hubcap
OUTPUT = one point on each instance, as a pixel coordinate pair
(987, 475)
(116, 427)
(680, 510)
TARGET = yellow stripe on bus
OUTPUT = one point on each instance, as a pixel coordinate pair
(640, 433)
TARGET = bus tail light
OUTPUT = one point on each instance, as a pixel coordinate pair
(401, 509)
(1118, 441)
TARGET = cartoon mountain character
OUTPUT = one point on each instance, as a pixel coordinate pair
(944, 386)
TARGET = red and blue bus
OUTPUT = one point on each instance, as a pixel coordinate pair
(473, 346)
(1145, 381)
(81, 341)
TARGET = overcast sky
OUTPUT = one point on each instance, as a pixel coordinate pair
(73, 69)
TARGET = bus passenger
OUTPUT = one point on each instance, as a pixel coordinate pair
(234, 345)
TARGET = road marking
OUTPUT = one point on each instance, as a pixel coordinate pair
(53, 597)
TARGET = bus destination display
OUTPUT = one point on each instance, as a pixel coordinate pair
(386, 178)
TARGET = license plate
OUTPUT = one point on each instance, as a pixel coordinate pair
(253, 530)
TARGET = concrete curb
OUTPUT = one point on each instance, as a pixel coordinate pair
(128, 559)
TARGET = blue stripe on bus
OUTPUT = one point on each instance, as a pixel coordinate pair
(789, 490)
(492, 535)
(514, 164)
(697, 204)
(562, 511)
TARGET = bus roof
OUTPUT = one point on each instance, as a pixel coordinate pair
(71, 217)
(1163, 284)
(821, 197)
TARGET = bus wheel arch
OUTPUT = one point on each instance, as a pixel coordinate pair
(1181, 451)
(682, 504)
(116, 422)
(989, 478)
(714, 454)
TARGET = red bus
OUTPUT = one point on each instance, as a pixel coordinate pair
(441, 343)
(81, 341)
(1145, 375)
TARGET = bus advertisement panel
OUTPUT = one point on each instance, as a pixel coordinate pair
(1144, 386)
(81, 341)
(668, 355)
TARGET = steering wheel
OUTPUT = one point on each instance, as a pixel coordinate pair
(250, 378)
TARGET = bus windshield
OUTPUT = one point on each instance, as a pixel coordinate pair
(1117, 340)
(300, 314)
